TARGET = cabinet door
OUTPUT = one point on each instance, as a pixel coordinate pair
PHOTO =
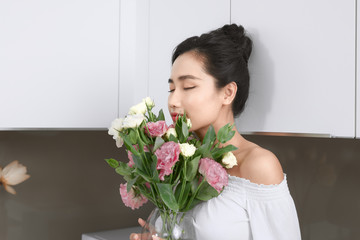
(171, 22)
(58, 63)
(302, 67)
(134, 44)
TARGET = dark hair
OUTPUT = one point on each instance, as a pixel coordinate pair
(225, 53)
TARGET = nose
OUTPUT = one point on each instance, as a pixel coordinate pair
(174, 100)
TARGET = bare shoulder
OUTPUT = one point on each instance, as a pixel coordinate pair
(261, 166)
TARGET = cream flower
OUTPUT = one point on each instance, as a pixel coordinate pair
(13, 174)
(116, 126)
(119, 142)
(187, 150)
(229, 160)
(133, 121)
(188, 123)
(170, 131)
(149, 102)
(141, 108)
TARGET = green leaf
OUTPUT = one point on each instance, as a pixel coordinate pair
(127, 143)
(141, 147)
(143, 136)
(147, 163)
(132, 136)
(225, 133)
(158, 142)
(155, 174)
(194, 185)
(112, 162)
(143, 174)
(185, 131)
(178, 191)
(128, 178)
(161, 116)
(173, 138)
(178, 130)
(206, 192)
(131, 183)
(192, 168)
(138, 161)
(152, 116)
(123, 169)
(181, 129)
(167, 195)
(204, 150)
(218, 152)
(185, 196)
(210, 135)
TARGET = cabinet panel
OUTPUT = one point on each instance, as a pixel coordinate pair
(134, 67)
(302, 66)
(58, 63)
(171, 22)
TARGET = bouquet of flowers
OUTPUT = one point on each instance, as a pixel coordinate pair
(169, 165)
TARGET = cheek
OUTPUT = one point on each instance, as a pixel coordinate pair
(202, 108)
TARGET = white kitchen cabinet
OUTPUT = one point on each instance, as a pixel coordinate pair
(59, 63)
(302, 66)
(171, 22)
(134, 34)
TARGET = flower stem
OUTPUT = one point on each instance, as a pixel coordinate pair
(183, 183)
(194, 195)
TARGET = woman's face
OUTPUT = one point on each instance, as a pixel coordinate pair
(193, 91)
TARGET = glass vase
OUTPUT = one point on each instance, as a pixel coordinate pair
(169, 225)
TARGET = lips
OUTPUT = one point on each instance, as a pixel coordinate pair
(175, 116)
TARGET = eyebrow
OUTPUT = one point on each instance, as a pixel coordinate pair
(184, 77)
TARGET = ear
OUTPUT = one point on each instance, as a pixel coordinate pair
(229, 93)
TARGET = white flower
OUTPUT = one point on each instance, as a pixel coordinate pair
(229, 160)
(170, 131)
(188, 123)
(116, 127)
(119, 142)
(187, 150)
(13, 174)
(133, 121)
(149, 102)
(141, 108)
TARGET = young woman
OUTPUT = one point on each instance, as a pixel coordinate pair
(210, 82)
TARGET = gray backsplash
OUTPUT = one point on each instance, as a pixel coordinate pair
(72, 190)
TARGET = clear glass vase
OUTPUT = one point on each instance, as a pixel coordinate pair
(169, 225)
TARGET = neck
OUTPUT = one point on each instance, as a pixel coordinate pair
(224, 118)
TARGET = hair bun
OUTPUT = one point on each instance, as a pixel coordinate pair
(242, 43)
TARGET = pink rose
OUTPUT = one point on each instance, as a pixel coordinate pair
(156, 129)
(131, 161)
(167, 155)
(130, 155)
(129, 198)
(214, 173)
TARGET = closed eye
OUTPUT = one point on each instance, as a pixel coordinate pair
(189, 88)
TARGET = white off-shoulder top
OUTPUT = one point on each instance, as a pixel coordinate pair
(248, 211)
